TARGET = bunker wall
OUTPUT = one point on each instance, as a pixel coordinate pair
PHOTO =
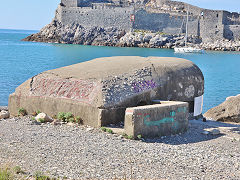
(156, 120)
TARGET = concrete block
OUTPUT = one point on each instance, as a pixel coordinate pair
(167, 118)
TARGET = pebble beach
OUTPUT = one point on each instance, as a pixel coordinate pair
(81, 152)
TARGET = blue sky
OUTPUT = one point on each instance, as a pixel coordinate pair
(34, 14)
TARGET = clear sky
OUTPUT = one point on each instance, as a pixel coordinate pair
(34, 14)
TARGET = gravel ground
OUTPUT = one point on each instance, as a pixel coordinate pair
(78, 152)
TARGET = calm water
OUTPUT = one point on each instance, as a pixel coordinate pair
(21, 60)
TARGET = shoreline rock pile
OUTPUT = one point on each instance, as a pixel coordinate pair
(228, 111)
(55, 32)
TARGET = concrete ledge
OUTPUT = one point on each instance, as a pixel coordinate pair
(157, 120)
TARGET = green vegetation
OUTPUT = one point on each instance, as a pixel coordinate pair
(161, 33)
(69, 117)
(71, 120)
(128, 137)
(109, 131)
(61, 116)
(104, 129)
(38, 112)
(41, 120)
(139, 136)
(40, 176)
(144, 32)
(6, 174)
(78, 120)
(18, 170)
(22, 112)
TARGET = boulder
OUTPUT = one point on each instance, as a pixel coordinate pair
(4, 114)
(43, 117)
(100, 90)
(228, 111)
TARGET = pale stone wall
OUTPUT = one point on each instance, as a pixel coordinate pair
(164, 16)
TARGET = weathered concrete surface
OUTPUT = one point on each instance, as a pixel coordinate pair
(100, 90)
(162, 119)
(228, 111)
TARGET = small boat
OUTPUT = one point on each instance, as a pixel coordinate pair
(186, 49)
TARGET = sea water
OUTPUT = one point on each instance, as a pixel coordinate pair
(20, 61)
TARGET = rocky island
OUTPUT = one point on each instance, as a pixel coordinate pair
(144, 23)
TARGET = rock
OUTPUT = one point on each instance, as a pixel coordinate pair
(205, 132)
(71, 124)
(4, 114)
(89, 129)
(228, 111)
(5, 108)
(213, 131)
(56, 122)
(43, 116)
(147, 38)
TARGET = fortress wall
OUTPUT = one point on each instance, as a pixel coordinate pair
(214, 25)
(193, 27)
(88, 17)
(211, 27)
(232, 32)
(151, 21)
(165, 22)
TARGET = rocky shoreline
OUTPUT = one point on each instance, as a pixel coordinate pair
(55, 32)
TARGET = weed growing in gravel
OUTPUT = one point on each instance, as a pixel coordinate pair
(61, 116)
(22, 112)
(38, 112)
(6, 174)
(68, 116)
(18, 170)
(78, 120)
(139, 136)
(40, 176)
(71, 120)
(104, 129)
(41, 120)
(109, 131)
(128, 137)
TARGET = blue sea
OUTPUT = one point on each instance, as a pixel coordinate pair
(21, 60)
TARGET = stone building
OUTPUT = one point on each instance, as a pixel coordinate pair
(155, 15)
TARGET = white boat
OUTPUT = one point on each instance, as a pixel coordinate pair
(186, 49)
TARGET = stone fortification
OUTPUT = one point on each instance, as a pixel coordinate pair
(163, 16)
(99, 91)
